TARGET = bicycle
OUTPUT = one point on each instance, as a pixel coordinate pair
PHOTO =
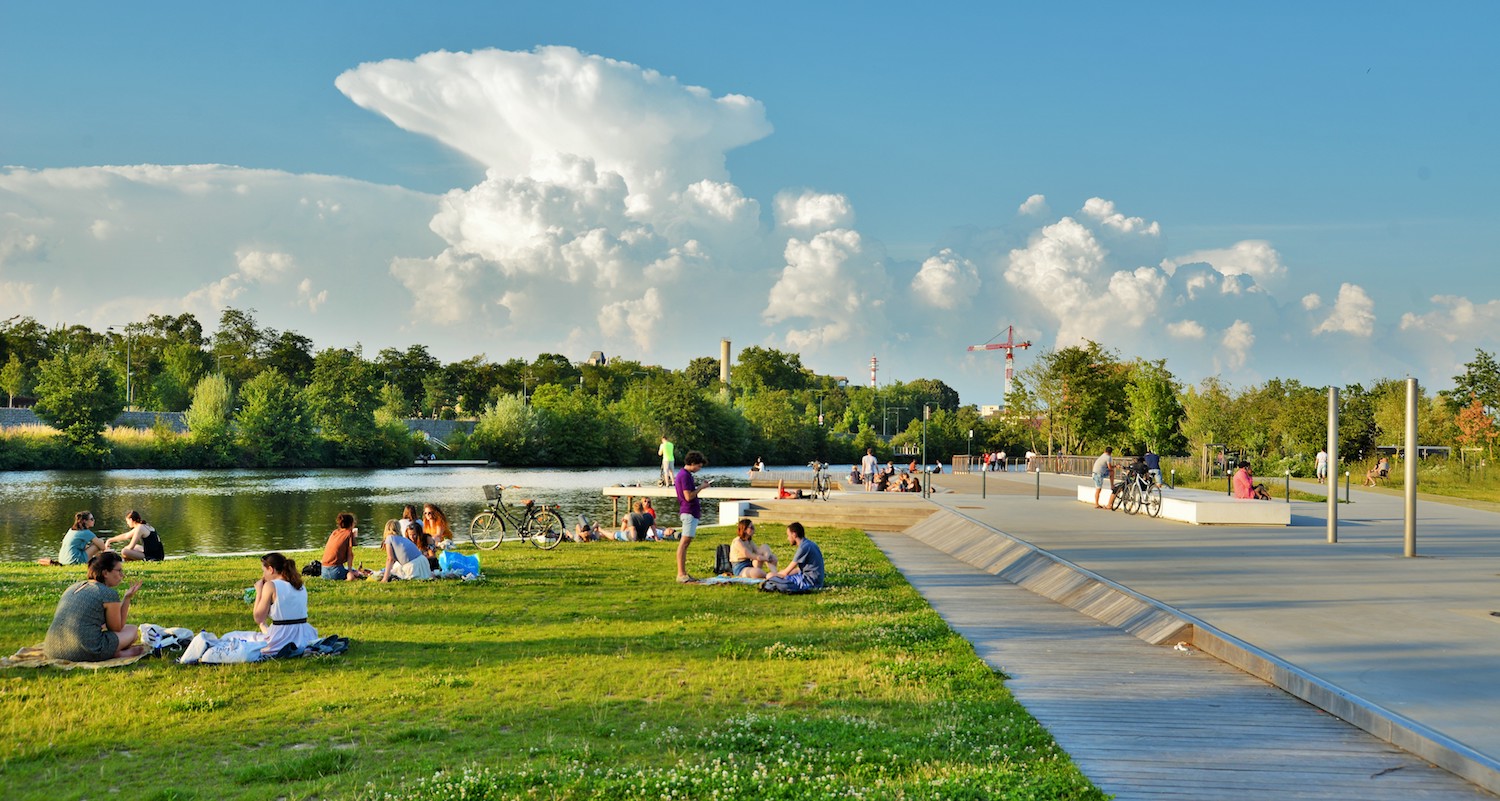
(821, 481)
(1135, 493)
(539, 524)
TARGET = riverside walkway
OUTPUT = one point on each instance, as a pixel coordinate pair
(1406, 648)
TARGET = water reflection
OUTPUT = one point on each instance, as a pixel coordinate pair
(228, 511)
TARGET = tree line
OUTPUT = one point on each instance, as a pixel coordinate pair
(254, 396)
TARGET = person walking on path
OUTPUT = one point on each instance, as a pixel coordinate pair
(1321, 461)
(867, 467)
(690, 509)
(667, 451)
(1104, 467)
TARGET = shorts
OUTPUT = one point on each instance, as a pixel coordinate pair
(689, 527)
(739, 567)
(1099, 481)
(1322, 471)
(335, 572)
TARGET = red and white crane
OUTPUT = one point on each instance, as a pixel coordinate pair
(1009, 346)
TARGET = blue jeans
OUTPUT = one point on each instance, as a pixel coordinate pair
(335, 572)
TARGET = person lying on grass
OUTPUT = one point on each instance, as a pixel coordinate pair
(746, 557)
(89, 625)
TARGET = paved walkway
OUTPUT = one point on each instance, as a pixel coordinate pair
(1147, 722)
(1413, 637)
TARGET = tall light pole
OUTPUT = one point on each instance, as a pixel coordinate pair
(129, 388)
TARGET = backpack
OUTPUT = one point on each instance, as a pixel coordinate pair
(722, 566)
(313, 569)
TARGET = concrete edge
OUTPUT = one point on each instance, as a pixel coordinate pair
(1078, 588)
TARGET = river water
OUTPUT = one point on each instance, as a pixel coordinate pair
(231, 511)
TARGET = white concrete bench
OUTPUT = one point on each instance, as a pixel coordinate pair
(1203, 508)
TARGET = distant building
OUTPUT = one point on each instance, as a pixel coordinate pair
(596, 359)
(987, 411)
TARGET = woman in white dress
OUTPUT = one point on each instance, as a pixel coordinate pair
(280, 611)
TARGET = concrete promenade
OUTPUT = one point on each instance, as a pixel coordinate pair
(1407, 648)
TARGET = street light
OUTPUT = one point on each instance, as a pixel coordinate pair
(129, 388)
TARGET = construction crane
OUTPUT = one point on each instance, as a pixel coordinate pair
(1009, 346)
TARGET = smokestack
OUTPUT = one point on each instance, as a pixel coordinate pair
(724, 365)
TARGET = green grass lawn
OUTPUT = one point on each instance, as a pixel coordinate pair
(582, 672)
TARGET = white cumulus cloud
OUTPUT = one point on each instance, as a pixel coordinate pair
(811, 211)
(1252, 257)
(946, 281)
(1353, 313)
(1236, 342)
(1034, 206)
(1186, 329)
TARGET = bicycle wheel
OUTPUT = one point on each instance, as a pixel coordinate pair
(1116, 496)
(487, 530)
(820, 487)
(545, 530)
(1153, 500)
(1132, 498)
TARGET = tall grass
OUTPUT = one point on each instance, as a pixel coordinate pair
(583, 672)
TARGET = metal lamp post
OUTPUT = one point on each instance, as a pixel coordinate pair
(129, 387)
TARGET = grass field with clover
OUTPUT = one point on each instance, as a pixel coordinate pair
(583, 672)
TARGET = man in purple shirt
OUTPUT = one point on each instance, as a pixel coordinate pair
(689, 507)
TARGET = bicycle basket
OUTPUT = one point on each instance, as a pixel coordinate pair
(491, 492)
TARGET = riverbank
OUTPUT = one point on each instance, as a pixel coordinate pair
(583, 671)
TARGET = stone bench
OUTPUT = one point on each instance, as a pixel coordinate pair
(1203, 508)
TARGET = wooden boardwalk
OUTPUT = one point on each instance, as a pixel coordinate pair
(1151, 722)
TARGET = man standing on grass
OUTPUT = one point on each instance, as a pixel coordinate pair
(805, 572)
(1104, 467)
(689, 507)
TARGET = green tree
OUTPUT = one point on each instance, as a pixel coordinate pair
(408, 370)
(183, 365)
(703, 372)
(1155, 413)
(79, 395)
(13, 379)
(767, 368)
(1481, 379)
(275, 428)
(291, 354)
(208, 418)
(342, 398)
(1081, 390)
(506, 432)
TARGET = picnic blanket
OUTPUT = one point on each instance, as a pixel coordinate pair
(32, 657)
(155, 637)
(728, 580)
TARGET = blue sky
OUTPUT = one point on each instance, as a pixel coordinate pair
(1353, 144)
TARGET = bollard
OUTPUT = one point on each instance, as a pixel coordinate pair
(1173, 483)
(1038, 485)
(982, 475)
(1346, 486)
(1288, 486)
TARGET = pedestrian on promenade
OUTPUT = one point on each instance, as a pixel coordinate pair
(867, 466)
(1321, 462)
(689, 507)
(1104, 468)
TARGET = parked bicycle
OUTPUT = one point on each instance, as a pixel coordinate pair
(821, 481)
(539, 524)
(1136, 492)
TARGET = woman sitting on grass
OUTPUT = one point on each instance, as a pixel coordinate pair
(436, 525)
(746, 558)
(142, 543)
(403, 559)
(279, 610)
(81, 544)
(338, 554)
(89, 625)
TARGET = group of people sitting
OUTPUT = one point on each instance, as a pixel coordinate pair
(139, 542)
(888, 480)
(750, 559)
(91, 623)
(413, 546)
(640, 526)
